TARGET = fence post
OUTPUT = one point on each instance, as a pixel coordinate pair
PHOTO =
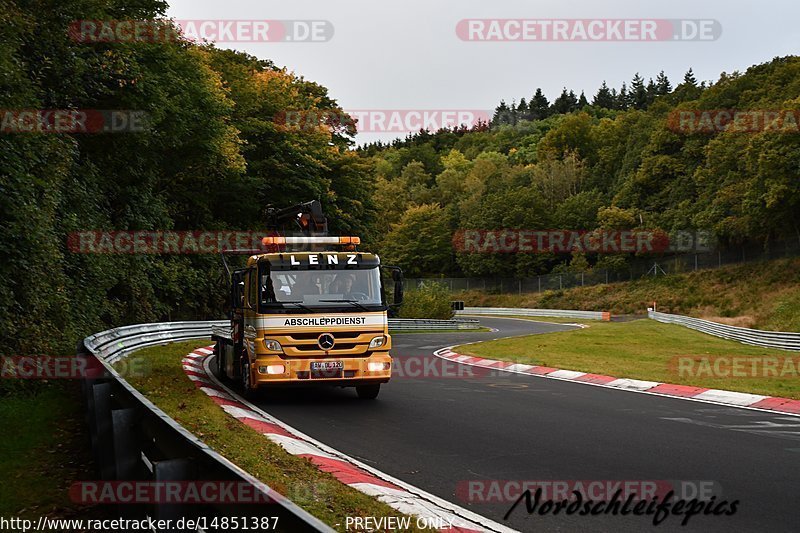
(560, 284)
(540, 283)
(695, 262)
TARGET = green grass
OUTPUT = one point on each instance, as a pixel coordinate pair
(763, 295)
(44, 447)
(640, 349)
(317, 492)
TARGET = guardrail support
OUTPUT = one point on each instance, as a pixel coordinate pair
(172, 470)
(126, 453)
(104, 451)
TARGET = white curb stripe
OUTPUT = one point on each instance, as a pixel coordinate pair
(566, 374)
(632, 384)
(409, 504)
(295, 446)
(217, 393)
(238, 412)
(736, 398)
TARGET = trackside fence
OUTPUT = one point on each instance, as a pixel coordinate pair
(755, 337)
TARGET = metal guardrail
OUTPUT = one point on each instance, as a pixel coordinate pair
(766, 339)
(132, 439)
(554, 313)
(414, 324)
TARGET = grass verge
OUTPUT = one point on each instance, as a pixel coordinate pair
(764, 295)
(317, 492)
(641, 349)
(44, 447)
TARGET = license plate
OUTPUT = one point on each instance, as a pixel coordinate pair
(327, 366)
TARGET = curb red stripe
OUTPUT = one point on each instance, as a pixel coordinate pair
(541, 370)
(266, 428)
(224, 401)
(595, 378)
(347, 473)
(683, 391)
(779, 404)
(735, 399)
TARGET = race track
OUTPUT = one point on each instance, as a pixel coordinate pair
(435, 431)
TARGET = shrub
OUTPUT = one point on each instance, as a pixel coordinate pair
(431, 300)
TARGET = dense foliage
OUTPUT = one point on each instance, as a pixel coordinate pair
(212, 157)
(618, 162)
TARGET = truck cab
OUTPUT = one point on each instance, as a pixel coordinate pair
(309, 318)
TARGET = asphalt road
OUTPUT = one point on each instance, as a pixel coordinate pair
(436, 428)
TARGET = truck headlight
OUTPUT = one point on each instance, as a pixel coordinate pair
(273, 346)
(377, 342)
(378, 367)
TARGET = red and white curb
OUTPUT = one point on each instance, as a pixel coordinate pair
(783, 406)
(397, 494)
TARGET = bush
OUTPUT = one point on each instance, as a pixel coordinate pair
(431, 300)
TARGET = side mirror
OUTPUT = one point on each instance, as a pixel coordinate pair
(397, 277)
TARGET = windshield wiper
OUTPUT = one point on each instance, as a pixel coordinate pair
(353, 302)
(298, 304)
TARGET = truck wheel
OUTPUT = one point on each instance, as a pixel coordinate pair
(248, 391)
(368, 392)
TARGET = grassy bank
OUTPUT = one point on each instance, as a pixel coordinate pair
(45, 448)
(763, 295)
(315, 491)
(642, 349)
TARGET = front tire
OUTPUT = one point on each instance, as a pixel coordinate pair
(368, 392)
(246, 382)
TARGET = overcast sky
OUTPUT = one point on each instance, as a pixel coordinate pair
(407, 55)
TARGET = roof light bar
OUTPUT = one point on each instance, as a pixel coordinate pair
(267, 241)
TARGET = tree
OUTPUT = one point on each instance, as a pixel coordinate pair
(638, 93)
(567, 102)
(539, 107)
(420, 242)
(604, 98)
(663, 85)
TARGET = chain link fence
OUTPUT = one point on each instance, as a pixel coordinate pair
(637, 269)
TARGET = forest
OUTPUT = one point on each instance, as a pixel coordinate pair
(215, 153)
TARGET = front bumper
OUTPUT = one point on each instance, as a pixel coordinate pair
(355, 370)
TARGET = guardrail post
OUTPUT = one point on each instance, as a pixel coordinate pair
(104, 443)
(172, 470)
(126, 453)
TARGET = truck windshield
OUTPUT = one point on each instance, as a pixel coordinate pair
(313, 288)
